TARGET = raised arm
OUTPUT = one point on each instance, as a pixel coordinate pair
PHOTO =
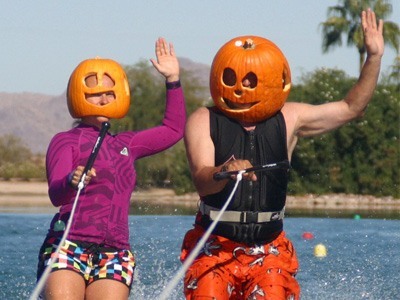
(156, 139)
(309, 120)
(360, 95)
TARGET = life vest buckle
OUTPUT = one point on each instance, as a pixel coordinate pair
(248, 217)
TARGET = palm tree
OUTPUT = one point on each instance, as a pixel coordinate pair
(345, 19)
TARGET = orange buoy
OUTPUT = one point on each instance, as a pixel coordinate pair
(307, 235)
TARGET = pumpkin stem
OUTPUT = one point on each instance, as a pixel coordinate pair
(249, 44)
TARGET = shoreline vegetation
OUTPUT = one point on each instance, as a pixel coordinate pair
(18, 195)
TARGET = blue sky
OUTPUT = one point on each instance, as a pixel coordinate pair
(43, 41)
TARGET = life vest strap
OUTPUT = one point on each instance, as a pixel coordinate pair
(242, 216)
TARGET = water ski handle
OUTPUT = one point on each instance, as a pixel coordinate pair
(104, 128)
(227, 174)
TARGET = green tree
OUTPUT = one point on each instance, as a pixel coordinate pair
(344, 19)
(17, 161)
(394, 74)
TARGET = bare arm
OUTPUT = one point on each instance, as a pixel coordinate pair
(359, 96)
(310, 120)
(200, 152)
(201, 155)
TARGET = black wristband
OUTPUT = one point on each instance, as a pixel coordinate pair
(173, 85)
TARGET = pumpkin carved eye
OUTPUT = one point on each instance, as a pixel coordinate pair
(285, 79)
(229, 77)
(92, 80)
(250, 80)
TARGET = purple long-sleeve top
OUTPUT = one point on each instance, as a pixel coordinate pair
(101, 215)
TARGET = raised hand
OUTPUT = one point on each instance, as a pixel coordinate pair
(166, 63)
(373, 33)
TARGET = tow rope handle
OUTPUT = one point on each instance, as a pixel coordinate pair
(227, 174)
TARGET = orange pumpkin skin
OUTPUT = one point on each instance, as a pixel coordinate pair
(263, 63)
(77, 89)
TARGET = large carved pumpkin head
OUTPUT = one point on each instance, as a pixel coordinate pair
(78, 90)
(250, 79)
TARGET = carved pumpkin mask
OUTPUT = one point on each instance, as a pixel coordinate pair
(250, 79)
(78, 90)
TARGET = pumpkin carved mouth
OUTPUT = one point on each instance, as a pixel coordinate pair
(238, 106)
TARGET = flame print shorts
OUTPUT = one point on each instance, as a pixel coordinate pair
(225, 269)
(91, 260)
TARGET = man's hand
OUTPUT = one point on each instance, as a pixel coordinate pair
(237, 165)
(373, 33)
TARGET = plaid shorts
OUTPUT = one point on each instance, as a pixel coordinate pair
(92, 261)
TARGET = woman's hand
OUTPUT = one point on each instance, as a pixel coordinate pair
(76, 175)
(166, 64)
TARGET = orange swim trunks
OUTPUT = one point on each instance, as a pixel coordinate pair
(229, 270)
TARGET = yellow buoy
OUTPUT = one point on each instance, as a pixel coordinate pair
(320, 250)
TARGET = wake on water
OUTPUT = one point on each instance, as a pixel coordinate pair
(362, 261)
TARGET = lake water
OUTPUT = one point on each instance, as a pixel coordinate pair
(363, 260)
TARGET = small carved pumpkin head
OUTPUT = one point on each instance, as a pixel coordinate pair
(250, 79)
(78, 90)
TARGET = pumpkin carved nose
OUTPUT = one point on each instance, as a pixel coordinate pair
(238, 92)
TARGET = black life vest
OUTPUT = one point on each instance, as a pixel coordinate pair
(265, 144)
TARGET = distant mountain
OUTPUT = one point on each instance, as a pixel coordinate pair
(36, 118)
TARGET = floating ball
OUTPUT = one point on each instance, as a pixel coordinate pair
(307, 235)
(320, 250)
(357, 217)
